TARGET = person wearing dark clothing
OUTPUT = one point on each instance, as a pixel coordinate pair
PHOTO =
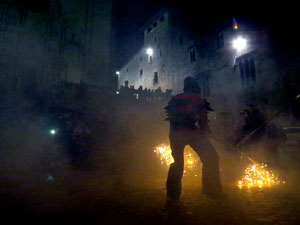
(187, 113)
(253, 127)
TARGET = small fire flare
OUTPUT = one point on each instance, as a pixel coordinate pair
(192, 161)
(257, 175)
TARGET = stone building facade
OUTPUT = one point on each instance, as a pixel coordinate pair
(67, 41)
(229, 79)
(151, 70)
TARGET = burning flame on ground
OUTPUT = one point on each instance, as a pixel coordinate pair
(191, 160)
(257, 175)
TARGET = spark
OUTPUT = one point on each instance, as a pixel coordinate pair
(192, 161)
(257, 175)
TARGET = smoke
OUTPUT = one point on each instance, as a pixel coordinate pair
(28, 152)
(35, 166)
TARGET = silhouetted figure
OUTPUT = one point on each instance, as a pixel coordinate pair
(251, 127)
(158, 94)
(141, 93)
(185, 111)
(125, 90)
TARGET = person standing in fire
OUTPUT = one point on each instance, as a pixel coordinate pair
(185, 111)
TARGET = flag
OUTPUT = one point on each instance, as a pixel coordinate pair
(234, 23)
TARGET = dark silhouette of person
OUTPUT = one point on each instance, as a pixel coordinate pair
(253, 125)
(187, 113)
(125, 90)
(141, 93)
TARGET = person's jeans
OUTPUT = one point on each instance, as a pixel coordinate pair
(179, 138)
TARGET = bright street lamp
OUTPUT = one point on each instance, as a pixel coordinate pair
(149, 51)
(240, 44)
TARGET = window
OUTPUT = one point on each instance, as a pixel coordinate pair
(155, 78)
(204, 82)
(155, 39)
(160, 52)
(161, 19)
(219, 41)
(141, 58)
(242, 74)
(180, 40)
(149, 29)
(141, 72)
(150, 59)
(127, 70)
(154, 24)
(192, 55)
(252, 70)
(247, 71)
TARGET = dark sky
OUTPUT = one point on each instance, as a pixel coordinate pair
(135, 12)
(280, 17)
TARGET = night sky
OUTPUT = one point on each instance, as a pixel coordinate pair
(280, 17)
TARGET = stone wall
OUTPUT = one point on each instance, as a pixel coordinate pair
(69, 40)
(158, 40)
(216, 64)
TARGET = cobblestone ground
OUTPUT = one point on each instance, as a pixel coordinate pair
(86, 198)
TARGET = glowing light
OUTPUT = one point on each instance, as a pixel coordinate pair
(117, 92)
(50, 178)
(164, 153)
(192, 162)
(149, 51)
(240, 44)
(257, 175)
(117, 72)
(52, 132)
(235, 25)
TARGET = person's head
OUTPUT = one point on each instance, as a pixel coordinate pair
(191, 85)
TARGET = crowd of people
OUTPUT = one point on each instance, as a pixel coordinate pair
(143, 95)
